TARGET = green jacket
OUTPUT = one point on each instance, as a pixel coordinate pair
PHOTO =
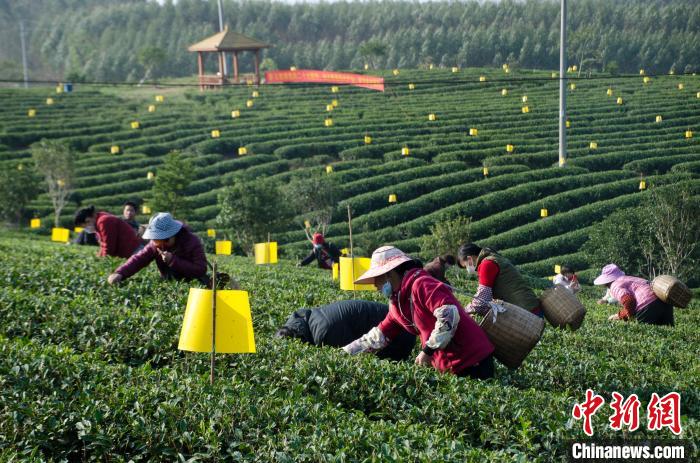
(510, 286)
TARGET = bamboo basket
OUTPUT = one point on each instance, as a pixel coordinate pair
(671, 290)
(514, 333)
(562, 308)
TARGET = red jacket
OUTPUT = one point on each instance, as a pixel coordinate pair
(117, 238)
(188, 261)
(412, 310)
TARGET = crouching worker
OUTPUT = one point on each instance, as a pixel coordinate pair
(568, 279)
(116, 237)
(636, 297)
(325, 254)
(421, 305)
(498, 279)
(177, 251)
(342, 322)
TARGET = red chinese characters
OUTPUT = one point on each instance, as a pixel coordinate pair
(625, 412)
(587, 409)
(665, 412)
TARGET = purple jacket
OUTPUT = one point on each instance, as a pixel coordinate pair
(189, 261)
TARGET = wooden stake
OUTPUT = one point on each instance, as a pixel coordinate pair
(213, 324)
(352, 254)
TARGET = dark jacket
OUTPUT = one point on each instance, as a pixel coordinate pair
(189, 261)
(87, 239)
(116, 237)
(328, 255)
(133, 224)
(340, 323)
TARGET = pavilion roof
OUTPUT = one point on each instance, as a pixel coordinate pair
(227, 40)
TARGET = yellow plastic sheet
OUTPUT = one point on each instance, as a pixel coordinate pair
(266, 253)
(61, 235)
(347, 276)
(234, 324)
(336, 271)
(223, 248)
(35, 223)
(211, 233)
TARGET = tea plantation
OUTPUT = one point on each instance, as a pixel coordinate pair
(92, 372)
(621, 129)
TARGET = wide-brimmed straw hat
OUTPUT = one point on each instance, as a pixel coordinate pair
(161, 227)
(610, 273)
(384, 260)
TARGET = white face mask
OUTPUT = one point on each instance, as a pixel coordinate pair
(471, 270)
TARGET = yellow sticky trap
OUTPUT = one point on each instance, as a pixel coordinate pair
(265, 253)
(328, 122)
(223, 248)
(235, 114)
(413, 86)
(431, 66)
(646, 80)
(145, 209)
(114, 149)
(524, 98)
(659, 118)
(510, 148)
(78, 229)
(366, 66)
(215, 133)
(568, 69)
(574, 68)
(455, 69)
(572, 86)
(135, 125)
(368, 140)
(151, 108)
(35, 223)
(395, 72)
(336, 271)
(486, 171)
(432, 117)
(249, 104)
(160, 98)
(609, 92)
(329, 107)
(345, 252)
(562, 162)
(329, 169)
(61, 235)
(544, 212)
(641, 72)
(234, 323)
(405, 151)
(334, 103)
(150, 176)
(482, 78)
(59, 89)
(526, 109)
(31, 113)
(619, 100)
(557, 269)
(473, 132)
(292, 68)
(49, 101)
(688, 134)
(211, 233)
(255, 94)
(680, 87)
(642, 185)
(504, 92)
(593, 145)
(505, 66)
(242, 151)
(554, 75)
(697, 95)
(335, 89)
(392, 198)
(348, 277)
(307, 224)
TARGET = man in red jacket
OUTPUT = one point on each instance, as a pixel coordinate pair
(178, 252)
(116, 237)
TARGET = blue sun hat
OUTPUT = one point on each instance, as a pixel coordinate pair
(161, 227)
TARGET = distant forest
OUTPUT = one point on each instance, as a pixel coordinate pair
(109, 40)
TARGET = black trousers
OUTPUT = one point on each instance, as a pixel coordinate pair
(656, 313)
(482, 370)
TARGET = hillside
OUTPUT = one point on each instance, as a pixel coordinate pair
(284, 135)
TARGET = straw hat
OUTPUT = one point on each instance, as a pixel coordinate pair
(161, 227)
(384, 260)
(610, 273)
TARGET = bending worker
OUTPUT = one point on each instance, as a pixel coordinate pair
(325, 254)
(342, 322)
(116, 237)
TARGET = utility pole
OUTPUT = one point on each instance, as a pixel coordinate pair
(562, 87)
(24, 54)
(221, 28)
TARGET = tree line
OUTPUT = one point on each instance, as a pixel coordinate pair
(132, 39)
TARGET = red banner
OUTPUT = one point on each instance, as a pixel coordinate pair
(325, 77)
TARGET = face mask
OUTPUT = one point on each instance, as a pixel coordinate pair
(471, 270)
(386, 289)
(318, 246)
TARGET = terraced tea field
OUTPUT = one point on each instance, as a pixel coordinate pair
(284, 133)
(91, 372)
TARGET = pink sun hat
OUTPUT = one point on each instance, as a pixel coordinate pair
(610, 273)
(384, 260)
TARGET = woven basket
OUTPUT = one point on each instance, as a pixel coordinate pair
(514, 333)
(671, 290)
(562, 308)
